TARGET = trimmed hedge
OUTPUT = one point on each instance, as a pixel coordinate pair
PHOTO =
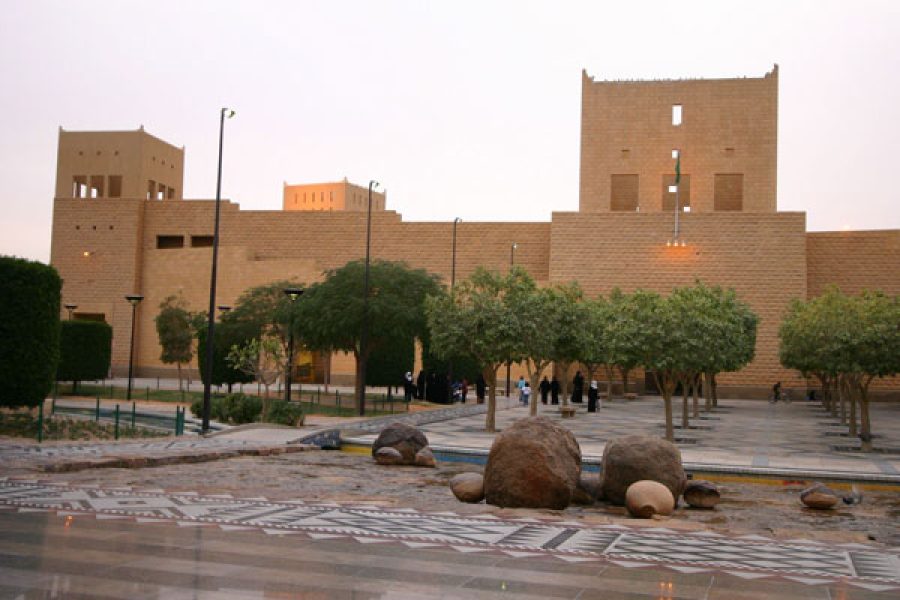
(84, 350)
(29, 330)
(233, 408)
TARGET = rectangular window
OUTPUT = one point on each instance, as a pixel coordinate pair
(623, 192)
(161, 192)
(201, 241)
(151, 189)
(676, 114)
(85, 316)
(96, 186)
(728, 191)
(170, 193)
(79, 186)
(675, 154)
(669, 192)
(167, 242)
(115, 186)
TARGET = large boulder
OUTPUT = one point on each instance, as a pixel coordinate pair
(647, 498)
(635, 458)
(407, 440)
(468, 487)
(532, 464)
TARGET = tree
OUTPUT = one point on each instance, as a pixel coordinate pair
(263, 359)
(480, 320)
(568, 347)
(176, 335)
(330, 314)
(387, 366)
(85, 348)
(622, 337)
(29, 330)
(227, 334)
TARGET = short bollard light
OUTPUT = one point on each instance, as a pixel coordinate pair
(97, 410)
(117, 421)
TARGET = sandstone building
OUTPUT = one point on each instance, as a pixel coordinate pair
(120, 224)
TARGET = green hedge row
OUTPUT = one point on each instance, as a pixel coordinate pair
(84, 350)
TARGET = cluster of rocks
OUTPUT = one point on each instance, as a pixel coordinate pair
(537, 464)
(400, 444)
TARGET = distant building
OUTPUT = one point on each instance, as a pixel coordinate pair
(120, 225)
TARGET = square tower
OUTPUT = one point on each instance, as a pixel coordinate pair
(118, 164)
(724, 130)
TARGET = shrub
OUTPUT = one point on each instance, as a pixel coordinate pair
(241, 408)
(29, 330)
(84, 350)
(216, 409)
(285, 413)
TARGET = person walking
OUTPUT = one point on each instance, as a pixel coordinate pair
(593, 397)
(480, 387)
(526, 393)
(408, 387)
(521, 386)
(578, 388)
(420, 385)
(554, 391)
(776, 392)
(545, 389)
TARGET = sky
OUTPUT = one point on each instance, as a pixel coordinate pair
(459, 108)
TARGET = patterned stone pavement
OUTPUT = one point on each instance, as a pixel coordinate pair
(751, 557)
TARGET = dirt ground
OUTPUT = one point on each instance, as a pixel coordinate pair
(769, 510)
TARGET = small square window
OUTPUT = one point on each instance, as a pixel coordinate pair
(676, 114)
(673, 189)
(674, 154)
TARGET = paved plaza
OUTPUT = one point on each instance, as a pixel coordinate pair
(104, 539)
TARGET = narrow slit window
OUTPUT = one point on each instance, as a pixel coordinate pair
(676, 114)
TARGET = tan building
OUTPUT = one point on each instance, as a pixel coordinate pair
(106, 247)
(341, 196)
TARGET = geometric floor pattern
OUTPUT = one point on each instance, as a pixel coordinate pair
(751, 556)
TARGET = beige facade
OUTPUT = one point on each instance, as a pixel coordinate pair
(107, 247)
(339, 196)
(726, 131)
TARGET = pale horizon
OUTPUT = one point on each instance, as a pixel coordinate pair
(467, 109)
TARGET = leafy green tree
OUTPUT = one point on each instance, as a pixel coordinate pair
(85, 348)
(596, 333)
(227, 334)
(29, 331)
(330, 314)
(387, 366)
(175, 332)
(622, 328)
(480, 320)
(570, 330)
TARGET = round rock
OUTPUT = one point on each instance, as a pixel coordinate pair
(407, 440)
(532, 464)
(635, 458)
(819, 497)
(425, 458)
(701, 494)
(468, 487)
(388, 456)
(643, 499)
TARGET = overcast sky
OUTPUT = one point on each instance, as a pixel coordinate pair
(459, 108)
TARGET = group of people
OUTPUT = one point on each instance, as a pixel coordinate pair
(551, 388)
(435, 387)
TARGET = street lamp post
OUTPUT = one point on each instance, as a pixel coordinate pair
(364, 333)
(512, 263)
(134, 299)
(293, 293)
(70, 308)
(456, 222)
(211, 323)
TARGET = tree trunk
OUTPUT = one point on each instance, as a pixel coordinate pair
(713, 388)
(564, 387)
(663, 384)
(685, 424)
(534, 375)
(359, 381)
(625, 373)
(707, 392)
(490, 420)
(852, 389)
(695, 383)
(609, 382)
(179, 377)
(865, 435)
(843, 399)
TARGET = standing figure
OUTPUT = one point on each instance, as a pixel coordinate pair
(521, 387)
(408, 387)
(578, 388)
(526, 394)
(420, 385)
(465, 389)
(545, 389)
(480, 387)
(554, 391)
(593, 396)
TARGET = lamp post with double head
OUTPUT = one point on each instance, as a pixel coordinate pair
(211, 315)
(134, 300)
(293, 293)
(70, 308)
(364, 332)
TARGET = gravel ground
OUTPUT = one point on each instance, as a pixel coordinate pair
(340, 477)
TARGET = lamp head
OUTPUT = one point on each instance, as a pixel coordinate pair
(293, 292)
(224, 308)
(457, 220)
(227, 112)
(134, 299)
(515, 245)
(70, 306)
